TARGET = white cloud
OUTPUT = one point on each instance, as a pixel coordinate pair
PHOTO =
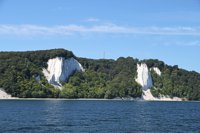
(27, 30)
(192, 43)
(92, 20)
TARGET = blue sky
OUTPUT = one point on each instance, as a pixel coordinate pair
(166, 30)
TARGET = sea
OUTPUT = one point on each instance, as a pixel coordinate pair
(103, 116)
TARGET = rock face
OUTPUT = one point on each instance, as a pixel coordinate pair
(4, 95)
(144, 76)
(145, 80)
(59, 69)
(156, 70)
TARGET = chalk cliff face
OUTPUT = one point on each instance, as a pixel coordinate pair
(145, 80)
(144, 76)
(156, 70)
(4, 95)
(59, 69)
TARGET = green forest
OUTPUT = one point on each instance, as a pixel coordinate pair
(103, 78)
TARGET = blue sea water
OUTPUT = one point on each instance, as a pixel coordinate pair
(51, 116)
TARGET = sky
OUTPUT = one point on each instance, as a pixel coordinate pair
(168, 30)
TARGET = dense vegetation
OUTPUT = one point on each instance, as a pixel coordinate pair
(174, 81)
(104, 79)
(18, 71)
(21, 76)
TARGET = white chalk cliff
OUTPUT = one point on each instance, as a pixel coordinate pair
(59, 69)
(4, 95)
(144, 76)
(156, 70)
(145, 80)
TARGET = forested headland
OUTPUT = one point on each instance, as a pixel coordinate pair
(21, 76)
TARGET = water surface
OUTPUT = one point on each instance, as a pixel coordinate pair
(98, 116)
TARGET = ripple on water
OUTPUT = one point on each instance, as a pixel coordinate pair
(98, 116)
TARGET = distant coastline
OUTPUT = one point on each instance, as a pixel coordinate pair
(58, 73)
(95, 99)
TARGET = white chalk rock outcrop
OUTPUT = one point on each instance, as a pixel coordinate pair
(167, 98)
(145, 80)
(156, 70)
(144, 76)
(59, 69)
(4, 95)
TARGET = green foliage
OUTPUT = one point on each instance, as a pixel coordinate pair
(102, 79)
(177, 82)
(18, 71)
(68, 91)
(106, 79)
(154, 63)
(155, 92)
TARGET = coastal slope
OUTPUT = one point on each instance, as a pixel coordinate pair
(58, 73)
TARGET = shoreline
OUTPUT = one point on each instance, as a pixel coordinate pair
(65, 99)
(91, 99)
